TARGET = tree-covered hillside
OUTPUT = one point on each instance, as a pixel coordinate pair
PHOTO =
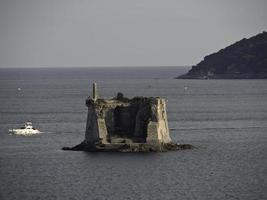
(246, 58)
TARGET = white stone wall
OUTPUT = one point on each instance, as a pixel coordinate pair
(158, 131)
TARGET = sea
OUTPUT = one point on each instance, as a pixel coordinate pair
(225, 120)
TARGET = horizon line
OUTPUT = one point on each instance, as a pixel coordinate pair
(102, 66)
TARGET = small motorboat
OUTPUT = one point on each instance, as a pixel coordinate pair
(27, 129)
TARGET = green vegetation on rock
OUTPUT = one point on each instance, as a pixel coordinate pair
(245, 59)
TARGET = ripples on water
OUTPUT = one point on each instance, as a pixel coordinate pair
(225, 119)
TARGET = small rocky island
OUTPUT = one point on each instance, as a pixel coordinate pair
(127, 125)
(246, 59)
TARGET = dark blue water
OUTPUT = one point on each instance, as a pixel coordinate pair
(225, 119)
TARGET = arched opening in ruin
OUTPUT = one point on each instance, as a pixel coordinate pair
(127, 124)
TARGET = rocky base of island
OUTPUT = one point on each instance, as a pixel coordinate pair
(129, 147)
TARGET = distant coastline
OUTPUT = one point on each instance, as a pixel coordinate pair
(245, 59)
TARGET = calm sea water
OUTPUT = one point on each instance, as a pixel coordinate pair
(225, 119)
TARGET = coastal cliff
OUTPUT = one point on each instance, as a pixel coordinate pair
(245, 59)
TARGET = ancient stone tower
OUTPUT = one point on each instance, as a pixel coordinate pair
(118, 121)
(126, 125)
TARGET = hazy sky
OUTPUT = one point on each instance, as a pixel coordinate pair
(36, 33)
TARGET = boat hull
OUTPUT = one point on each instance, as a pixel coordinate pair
(24, 132)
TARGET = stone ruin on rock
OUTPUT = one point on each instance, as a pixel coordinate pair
(127, 125)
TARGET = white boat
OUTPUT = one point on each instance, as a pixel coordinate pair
(26, 130)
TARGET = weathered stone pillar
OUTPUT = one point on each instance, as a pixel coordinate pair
(95, 92)
(157, 129)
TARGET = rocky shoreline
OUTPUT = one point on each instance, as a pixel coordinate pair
(223, 76)
(133, 148)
